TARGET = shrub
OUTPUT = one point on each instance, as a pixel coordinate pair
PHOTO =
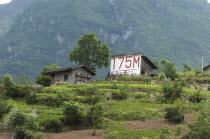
(23, 133)
(147, 79)
(19, 119)
(114, 85)
(122, 94)
(18, 91)
(171, 91)
(31, 99)
(72, 113)
(196, 97)
(165, 133)
(95, 116)
(4, 108)
(174, 115)
(140, 95)
(169, 69)
(44, 80)
(51, 124)
(199, 129)
(161, 76)
(8, 81)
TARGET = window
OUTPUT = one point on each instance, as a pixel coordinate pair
(66, 77)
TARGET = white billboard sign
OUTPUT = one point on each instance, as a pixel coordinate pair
(129, 64)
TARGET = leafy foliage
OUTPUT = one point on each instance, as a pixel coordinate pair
(186, 68)
(4, 108)
(51, 67)
(174, 115)
(8, 81)
(201, 127)
(172, 91)
(90, 52)
(44, 80)
(23, 133)
(73, 114)
(168, 68)
(52, 124)
(95, 115)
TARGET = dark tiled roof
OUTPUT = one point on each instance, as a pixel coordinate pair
(206, 67)
(68, 69)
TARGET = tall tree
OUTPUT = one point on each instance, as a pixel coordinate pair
(90, 52)
(168, 68)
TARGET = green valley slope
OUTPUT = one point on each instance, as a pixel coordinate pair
(47, 31)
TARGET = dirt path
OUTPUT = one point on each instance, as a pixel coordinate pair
(80, 134)
(6, 135)
(157, 123)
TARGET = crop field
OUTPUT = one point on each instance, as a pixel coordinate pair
(130, 109)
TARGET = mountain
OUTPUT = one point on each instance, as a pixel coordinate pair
(47, 31)
(9, 12)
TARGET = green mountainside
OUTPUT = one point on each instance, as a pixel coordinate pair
(47, 31)
(9, 12)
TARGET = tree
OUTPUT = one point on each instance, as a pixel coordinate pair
(172, 91)
(186, 67)
(199, 129)
(72, 113)
(4, 108)
(8, 81)
(46, 80)
(48, 68)
(90, 52)
(168, 68)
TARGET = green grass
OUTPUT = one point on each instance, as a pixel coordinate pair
(136, 110)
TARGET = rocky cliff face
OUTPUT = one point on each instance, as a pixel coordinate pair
(47, 31)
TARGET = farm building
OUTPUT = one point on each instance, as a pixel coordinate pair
(72, 75)
(207, 69)
(132, 64)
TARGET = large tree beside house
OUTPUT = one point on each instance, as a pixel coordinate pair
(91, 52)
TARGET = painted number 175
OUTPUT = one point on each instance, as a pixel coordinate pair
(127, 62)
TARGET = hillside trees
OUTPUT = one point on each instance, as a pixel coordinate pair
(168, 68)
(90, 52)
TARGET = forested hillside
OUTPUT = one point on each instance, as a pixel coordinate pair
(47, 31)
(9, 12)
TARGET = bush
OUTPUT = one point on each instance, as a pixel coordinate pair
(44, 80)
(72, 113)
(18, 91)
(8, 81)
(95, 116)
(19, 119)
(51, 124)
(23, 133)
(172, 91)
(31, 99)
(199, 129)
(196, 97)
(174, 115)
(4, 108)
(122, 94)
(161, 76)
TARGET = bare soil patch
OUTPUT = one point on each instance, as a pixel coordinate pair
(79, 134)
(158, 123)
(6, 135)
